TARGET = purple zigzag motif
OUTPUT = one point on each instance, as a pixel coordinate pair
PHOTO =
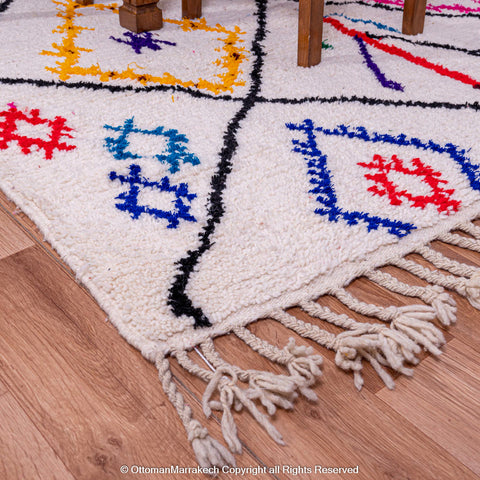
(368, 60)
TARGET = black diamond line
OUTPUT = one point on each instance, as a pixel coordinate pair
(178, 299)
(4, 5)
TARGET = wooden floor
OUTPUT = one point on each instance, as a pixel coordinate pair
(77, 402)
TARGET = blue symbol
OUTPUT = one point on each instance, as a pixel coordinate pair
(181, 198)
(142, 40)
(175, 154)
(320, 175)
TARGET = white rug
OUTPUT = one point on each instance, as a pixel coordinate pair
(197, 180)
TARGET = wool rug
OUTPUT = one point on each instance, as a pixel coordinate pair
(196, 180)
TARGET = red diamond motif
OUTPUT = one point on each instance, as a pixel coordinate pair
(440, 197)
(9, 131)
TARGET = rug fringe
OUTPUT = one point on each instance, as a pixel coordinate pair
(271, 390)
(466, 286)
(208, 451)
(413, 320)
(389, 345)
(301, 361)
(224, 393)
(434, 295)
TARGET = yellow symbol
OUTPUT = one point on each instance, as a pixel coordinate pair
(69, 53)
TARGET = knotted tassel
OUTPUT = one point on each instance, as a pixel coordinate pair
(443, 303)
(387, 347)
(227, 397)
(303, 366)
(224, 380)
(420, 331)
(376, 343)
(208, 451)
(272, 390)
(472, 290)
(434, 295)
(413, 320)
(301, 361)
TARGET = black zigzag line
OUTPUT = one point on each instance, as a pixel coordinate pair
(4, 5)
(392, 8)
(445, 46)
(178, 300)
(373, 101)
(117, 88)
(228, 98)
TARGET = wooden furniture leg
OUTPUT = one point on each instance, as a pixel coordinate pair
(413, 16)
(84, 2)
(140, 15)
(310, 29)
(191, 8)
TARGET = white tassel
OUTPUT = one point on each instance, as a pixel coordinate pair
(272, 390)
(435, 295)
(444, 305)
(301, 361)
(230, 394)
(472, 290)
(419, 330)
(304, 367)
(208, 451)
(389, 348)
(376, 343)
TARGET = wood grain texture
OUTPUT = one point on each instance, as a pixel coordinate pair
(3, 388)
(191, 8)
(140, 15)
(24, 453)
(413, 16)
(22, 221)
(98, 403)
(447, 401)
(310, 31)
(12, 237)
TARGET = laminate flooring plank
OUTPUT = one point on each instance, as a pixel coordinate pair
(3, 387)
(64, 374)
(31, 230)
(446, 395)
(24, 453)
(12, 238)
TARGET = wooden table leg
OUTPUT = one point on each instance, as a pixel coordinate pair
(140, 15)
(310, 29)
(413, 16)
(191, 8)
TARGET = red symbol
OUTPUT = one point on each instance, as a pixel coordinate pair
(9, 131)
(439, 197)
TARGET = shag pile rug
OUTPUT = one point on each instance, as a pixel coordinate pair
(196, 180)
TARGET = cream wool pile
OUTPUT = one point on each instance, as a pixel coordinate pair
(196, 180)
